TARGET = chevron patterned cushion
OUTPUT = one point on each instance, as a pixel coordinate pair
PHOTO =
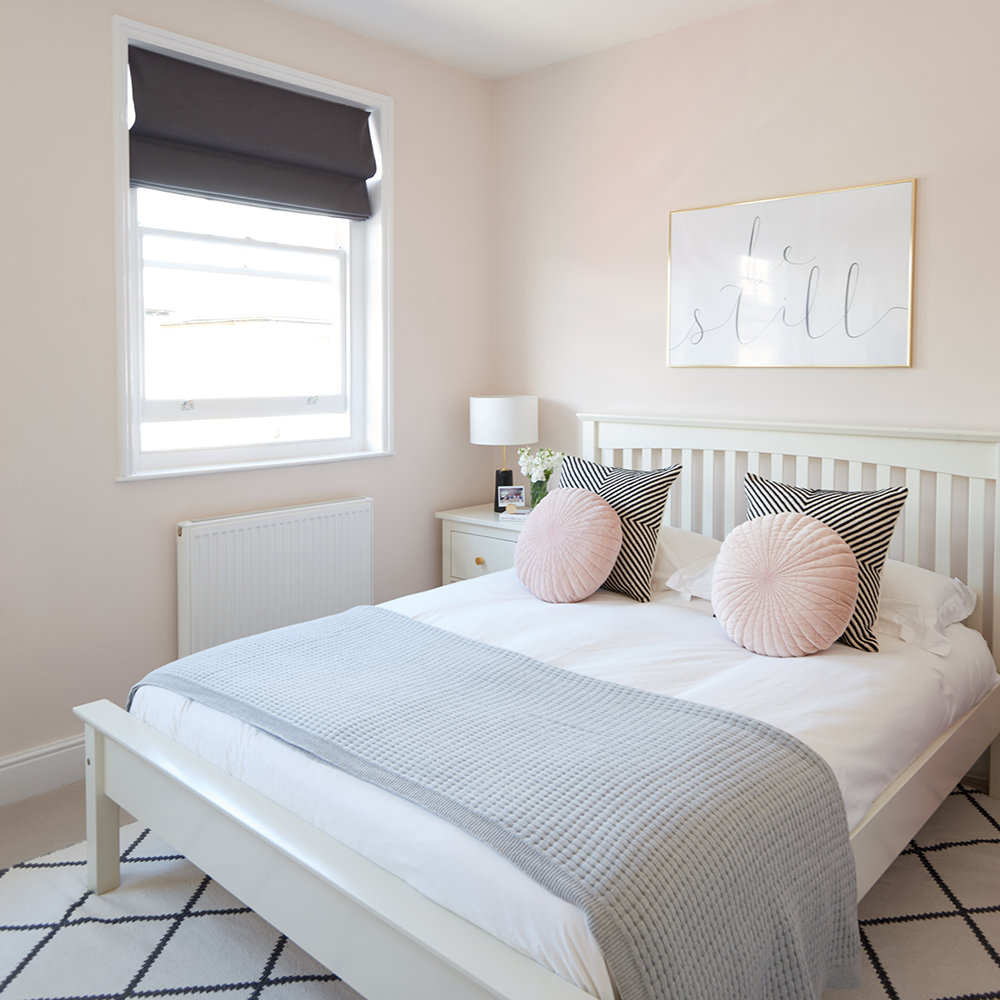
(638, 498)
(865, 520)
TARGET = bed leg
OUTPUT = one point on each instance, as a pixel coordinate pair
(102, 821)
(995, 769)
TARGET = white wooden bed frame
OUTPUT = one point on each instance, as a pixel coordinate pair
(385, 938)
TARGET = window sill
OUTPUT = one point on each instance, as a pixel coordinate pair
(198, 470)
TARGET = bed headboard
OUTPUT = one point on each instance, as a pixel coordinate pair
(949, 521)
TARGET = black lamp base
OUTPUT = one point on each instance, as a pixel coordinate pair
(505, 477)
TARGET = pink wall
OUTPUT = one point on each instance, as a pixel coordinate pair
(786, 98)
(87, 565)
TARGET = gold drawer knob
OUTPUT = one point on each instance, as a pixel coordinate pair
(480, 560)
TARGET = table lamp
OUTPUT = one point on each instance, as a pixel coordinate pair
(503, 420)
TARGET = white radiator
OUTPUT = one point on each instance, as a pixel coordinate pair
(247, 573)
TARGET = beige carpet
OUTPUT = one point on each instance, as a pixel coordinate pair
(45, 823)
(931, 927)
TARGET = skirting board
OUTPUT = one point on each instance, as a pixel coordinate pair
(43, 769)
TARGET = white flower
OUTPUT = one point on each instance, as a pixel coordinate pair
(537, 468)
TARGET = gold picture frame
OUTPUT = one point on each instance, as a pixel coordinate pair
(812, 280)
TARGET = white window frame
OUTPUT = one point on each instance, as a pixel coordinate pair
(369, 375)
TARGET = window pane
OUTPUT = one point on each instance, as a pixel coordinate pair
(184, 250)
(184, 435)
(212, 335)
(165, 210)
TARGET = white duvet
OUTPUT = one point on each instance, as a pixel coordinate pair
(867, 714)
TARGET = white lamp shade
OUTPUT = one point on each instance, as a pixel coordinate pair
(503, 419)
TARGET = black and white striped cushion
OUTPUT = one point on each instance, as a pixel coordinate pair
(865, 520)
(638, 498)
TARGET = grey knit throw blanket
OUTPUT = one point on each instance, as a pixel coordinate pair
(709, 851)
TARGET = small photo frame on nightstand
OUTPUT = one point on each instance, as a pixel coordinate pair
(507, 495)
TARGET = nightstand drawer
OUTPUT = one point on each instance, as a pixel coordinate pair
(476, 555)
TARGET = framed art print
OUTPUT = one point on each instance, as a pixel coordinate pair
(817, 279)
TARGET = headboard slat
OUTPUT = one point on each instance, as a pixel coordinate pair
(975, 574)
(729, 511)
(942, 524)
(828, 474)
(855, 476)
(911, 518)
(708, 493)
(687, 489)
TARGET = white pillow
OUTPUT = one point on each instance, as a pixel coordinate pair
(917, 605)
(695, 579)
(678, 549)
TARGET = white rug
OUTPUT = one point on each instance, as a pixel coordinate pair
(167, 931)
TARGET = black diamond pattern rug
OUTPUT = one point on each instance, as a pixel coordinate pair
(930, 927)
(167, 931)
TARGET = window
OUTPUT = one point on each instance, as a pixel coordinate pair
(255, 299)
(245, 323)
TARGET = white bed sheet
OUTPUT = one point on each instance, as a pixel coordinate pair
(869, 715)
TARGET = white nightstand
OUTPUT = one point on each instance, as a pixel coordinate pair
(474, 542)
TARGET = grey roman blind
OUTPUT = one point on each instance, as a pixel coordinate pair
(205, 132)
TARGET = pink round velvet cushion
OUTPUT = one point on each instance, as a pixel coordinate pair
(785, 585)
(568, 546)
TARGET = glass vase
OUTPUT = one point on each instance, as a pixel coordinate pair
(538, 491)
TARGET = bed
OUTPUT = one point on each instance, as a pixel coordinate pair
(350, 913)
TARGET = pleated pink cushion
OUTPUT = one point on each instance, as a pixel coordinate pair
(785, 585)
(568, 545)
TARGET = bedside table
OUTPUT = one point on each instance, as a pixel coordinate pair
(474, 542)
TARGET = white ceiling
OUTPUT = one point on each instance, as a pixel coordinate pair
(500, 38)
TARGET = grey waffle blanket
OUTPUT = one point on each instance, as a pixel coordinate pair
(709, 851)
